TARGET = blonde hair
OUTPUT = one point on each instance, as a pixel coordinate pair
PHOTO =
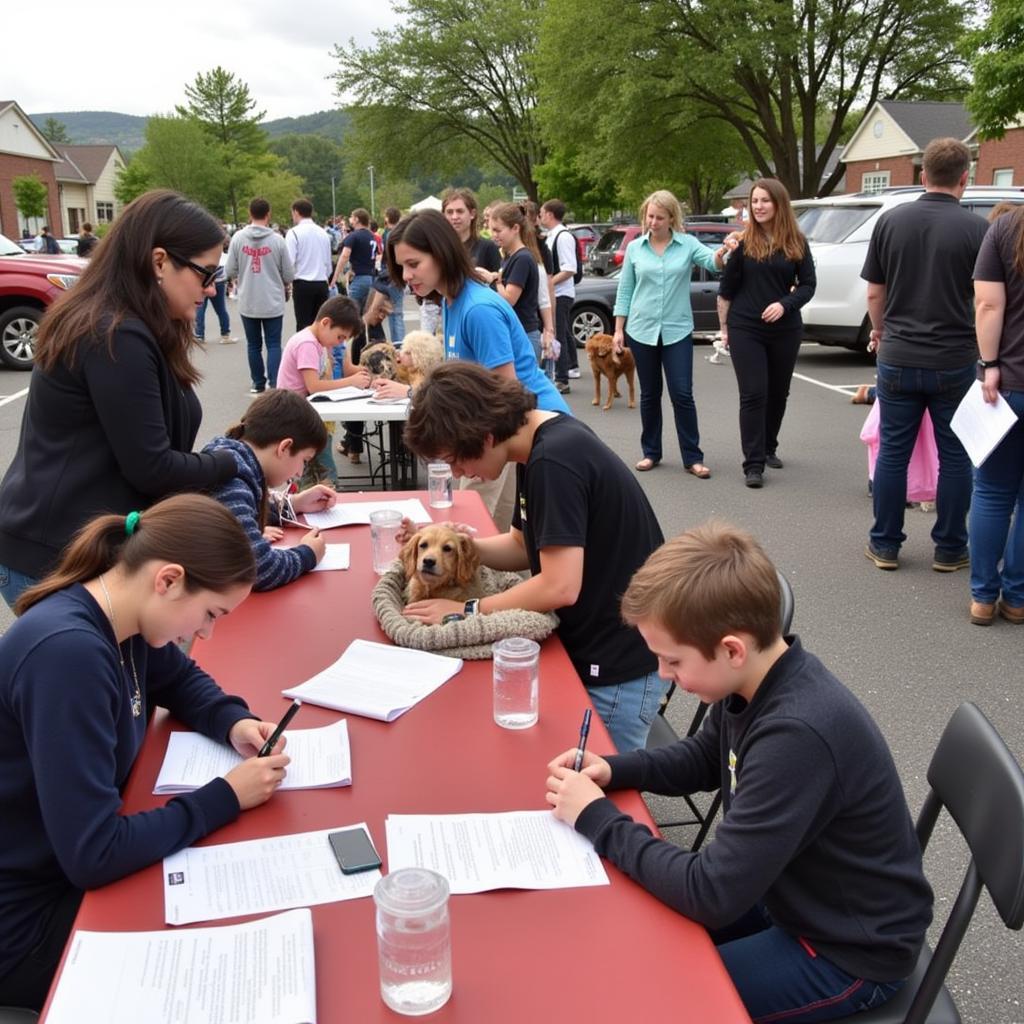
(706, 583)
(669, 204)
(424, 349)
(785, 236)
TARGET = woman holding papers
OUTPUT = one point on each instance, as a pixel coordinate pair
(96, 647)
(996, 526)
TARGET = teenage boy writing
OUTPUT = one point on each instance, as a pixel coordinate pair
(812, 886)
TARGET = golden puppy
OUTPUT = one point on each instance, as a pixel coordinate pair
(605, 361)
(439, 562)
(421, 351)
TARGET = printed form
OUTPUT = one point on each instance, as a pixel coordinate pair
(355, 513)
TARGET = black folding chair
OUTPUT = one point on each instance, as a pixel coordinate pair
(662, 734)
(975, 777)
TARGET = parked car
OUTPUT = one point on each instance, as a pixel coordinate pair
(587, 236)
(839, 229)
(610, 251)
(68, 246)
(29, 282)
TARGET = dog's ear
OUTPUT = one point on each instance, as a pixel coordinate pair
(408, 556)
(467, 561)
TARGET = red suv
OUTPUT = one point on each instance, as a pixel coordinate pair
(29, 282)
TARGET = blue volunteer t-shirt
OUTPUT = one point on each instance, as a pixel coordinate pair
(480, 326)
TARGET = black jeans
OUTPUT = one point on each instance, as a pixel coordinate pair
(567, 358)
(763, 360)
(307, 297)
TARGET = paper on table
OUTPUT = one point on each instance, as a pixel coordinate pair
(335, 557)
(354, 513)
(342, 395)
(206, 883)
(981, 426)
(321, 759)
(377, 680)
(260, 972)
(477, 852)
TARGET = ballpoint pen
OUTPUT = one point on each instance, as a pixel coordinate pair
(584, 733)
(268, 747)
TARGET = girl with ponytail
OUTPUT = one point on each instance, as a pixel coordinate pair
(94, 650)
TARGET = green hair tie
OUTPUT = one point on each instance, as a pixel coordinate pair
(131, 521)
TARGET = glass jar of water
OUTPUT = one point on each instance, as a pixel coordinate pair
(516, 682)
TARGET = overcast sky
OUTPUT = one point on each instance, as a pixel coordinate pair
(135, 58)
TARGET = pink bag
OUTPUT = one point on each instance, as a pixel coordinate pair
(923, 471)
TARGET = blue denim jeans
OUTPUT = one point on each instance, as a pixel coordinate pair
(534, 337)
(359, 287)
(258, 331)
(904, 393)
(780, 978)
(627, 709)
(12, 583)
(220, 307)
(997, 517)
(396, 320)
(676, 362)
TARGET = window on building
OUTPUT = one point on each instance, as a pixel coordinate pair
(75, 218)
(104, 212)
(1003, 176)
(874, 181)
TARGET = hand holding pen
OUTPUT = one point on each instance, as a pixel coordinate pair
(267, 749)
(582, 745)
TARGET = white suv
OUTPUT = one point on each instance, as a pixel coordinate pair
(839, 229)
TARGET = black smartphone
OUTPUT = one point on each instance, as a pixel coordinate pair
(353, 850)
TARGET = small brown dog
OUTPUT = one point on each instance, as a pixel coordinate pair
(380, 359)
(439, 562)
(605, 361)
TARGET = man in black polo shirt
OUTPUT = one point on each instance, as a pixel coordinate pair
(919, 270)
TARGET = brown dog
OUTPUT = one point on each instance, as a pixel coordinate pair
(605, 361)
(439, 562)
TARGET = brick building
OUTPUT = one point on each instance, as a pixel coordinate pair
(1000, 161)
(25, 150)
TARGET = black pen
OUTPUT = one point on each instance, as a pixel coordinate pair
(268, 747)
(584, 733)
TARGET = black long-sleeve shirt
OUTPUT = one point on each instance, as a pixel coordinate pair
(815, 823)
(112, 432)
(753, 285)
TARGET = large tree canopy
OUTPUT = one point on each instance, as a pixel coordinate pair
(997, 52)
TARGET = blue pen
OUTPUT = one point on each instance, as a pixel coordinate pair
(584, 733)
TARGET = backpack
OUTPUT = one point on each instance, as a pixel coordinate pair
(553, 245)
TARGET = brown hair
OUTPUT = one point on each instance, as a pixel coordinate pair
(999, 209)
(392, 215)
(449, 195)
(704, 584)
(259, 208)
(119, 282)
(361, 216)
(192, 530)
(945, 161)
(556, 208)
(514, 215)
(277, 414)
(458, 405)
(429, 232)
(342, 312)
(1015, 228)
(785, 236)
(303, 207)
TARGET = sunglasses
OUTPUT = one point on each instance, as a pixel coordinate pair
(208, 274)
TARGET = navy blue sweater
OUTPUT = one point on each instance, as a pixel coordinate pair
(243, 495)
(815, 823)
(68, 741)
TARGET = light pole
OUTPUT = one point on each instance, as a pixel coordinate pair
(334, 205)
(370, 169)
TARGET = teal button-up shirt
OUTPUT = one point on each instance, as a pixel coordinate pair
(654, 291)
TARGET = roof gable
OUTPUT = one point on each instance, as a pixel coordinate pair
(924, 121)
(91, 161)
(15, 119)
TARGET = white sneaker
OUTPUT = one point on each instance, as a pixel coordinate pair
(226, 339)
(574, 374)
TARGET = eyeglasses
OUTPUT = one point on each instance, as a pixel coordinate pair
(208, 274)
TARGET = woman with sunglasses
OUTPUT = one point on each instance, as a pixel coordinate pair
(112, 414)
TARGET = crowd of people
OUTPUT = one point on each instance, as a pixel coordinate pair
(118, 542)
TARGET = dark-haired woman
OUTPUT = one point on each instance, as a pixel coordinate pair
(94, 650)
(769, 276)
(111, 413)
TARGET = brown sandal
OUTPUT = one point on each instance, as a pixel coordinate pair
(645, 464)
(699, 470)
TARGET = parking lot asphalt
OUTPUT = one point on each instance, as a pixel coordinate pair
(900, 640)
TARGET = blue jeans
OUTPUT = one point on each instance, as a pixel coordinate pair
(627, 709)
(997, 533)
(220, 307)
(904, 392)
(396, 320)
(359, 288)
(534, 337)
(779, 978)
(257, 331)
(676, 360)
(12, 583)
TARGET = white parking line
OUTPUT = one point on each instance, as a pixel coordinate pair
(843, 389)
(16, 395)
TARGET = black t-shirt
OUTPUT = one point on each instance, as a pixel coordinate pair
(753, 285)
(484, 253)
(924, 254)
(521, 269)
(575, 492)
(363, 251)
(996, 263)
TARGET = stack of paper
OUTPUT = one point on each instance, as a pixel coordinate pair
(981, 426)
(336, 556)
(477, 852)
(260, 972)
(342, 395)
(321, 759)
(377, 680)
(354, 513)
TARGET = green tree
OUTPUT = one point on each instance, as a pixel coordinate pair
(588, 197)
(316, 160)
(997, 58)
(280, 188)
(132, 180)
(453, 72)
(222, 106)
(56, 131)
(782, 74)
(30, 196)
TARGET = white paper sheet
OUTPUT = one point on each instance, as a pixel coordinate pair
(335, 557)
(377, 680)
(477, 852)
(356, 513)
(981, 426)
(321, 759)
(260, 972)
(342, 395)
(207, 883)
